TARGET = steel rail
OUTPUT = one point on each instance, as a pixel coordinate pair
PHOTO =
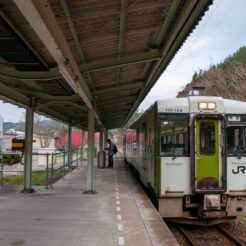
(229, 235)
(187, 236)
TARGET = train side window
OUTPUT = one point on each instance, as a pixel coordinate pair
(236, 140)
(131, 140)
(173, 135)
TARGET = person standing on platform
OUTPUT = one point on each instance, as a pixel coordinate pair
(112, 149)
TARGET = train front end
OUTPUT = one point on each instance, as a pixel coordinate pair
(210, 178)
(208, 160)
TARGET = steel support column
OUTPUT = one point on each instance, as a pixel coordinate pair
(82, 144)
(105, 138)
(90, 162)
(69, 147)
(101, 144)
(28, 151)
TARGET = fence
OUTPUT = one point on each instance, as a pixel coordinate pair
(54, 166)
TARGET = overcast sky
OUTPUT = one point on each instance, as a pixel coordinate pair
(220, 33)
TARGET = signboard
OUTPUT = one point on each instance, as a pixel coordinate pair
(18, 144)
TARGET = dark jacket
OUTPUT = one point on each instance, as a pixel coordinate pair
(110, 148)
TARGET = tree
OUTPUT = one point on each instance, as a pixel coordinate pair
(227, 79)
(46, 129)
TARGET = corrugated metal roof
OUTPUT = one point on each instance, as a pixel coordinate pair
(120, 47)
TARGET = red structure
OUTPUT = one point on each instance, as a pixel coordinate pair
(61, 142)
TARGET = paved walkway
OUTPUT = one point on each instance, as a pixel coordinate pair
(119, 214)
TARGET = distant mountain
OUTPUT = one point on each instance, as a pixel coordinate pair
(226, 79)
(46, 123)
(19, 126)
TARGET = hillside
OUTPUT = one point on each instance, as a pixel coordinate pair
(20, 126)
(227, 79)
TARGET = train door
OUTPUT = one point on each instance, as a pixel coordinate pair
(207, 151)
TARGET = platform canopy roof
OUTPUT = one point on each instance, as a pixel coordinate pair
(62, 57)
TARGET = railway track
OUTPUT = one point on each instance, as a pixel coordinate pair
(229, 235)
(199, 236)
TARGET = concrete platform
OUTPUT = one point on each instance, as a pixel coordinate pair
(119, 214)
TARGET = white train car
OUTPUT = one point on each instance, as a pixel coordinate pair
(191, 155)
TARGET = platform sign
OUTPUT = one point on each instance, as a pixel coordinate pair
(18, 144)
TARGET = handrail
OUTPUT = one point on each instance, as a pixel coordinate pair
(51, 167)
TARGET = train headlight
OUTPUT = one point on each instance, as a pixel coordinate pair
(207, 105)
(211, 105)
(203, 105)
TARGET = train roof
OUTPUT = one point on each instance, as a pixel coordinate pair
(234, 107)
(190, 105)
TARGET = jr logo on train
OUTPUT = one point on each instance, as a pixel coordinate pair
(239, 169)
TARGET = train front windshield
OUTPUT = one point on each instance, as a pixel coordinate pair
(236, 140)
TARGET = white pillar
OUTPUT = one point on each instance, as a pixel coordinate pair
(28, 151)
(105, 138)
(82, 144)
(69, 146)
(90, 162)
(101, 146)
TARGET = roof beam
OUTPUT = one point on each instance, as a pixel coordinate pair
(72, 28)
(61, 103)
(187, 18)
(122, 114)
(41, 17)
(14, 96)
(164, 27)
(114, 123)
(123, 10)
(122, 88)
(51, 113)
(79, 123)
(173, 8)
(110, 108)
(41, 95)
(27, 75)
(113, 36)
(140, 6)
(151, 55)
(75, 35)
(115, 113)
(53, 73)
(21, 35)
(112, 118)
(76, 40)
(117, 101)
